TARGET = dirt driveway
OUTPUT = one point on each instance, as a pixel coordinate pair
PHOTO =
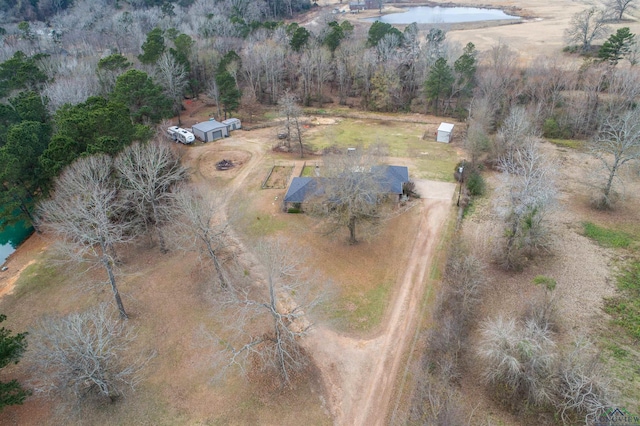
(359, 374)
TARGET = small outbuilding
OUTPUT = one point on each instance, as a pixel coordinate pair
(444, 132)
(211, 130)
(232, 123)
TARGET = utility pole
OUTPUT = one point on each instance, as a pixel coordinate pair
(461, 171)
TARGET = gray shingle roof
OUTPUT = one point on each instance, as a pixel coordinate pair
(393, 178)
(301, 188)
(207, 126)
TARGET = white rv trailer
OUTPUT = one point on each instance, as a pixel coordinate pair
(180, 135)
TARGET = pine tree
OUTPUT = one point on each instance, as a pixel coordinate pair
(439, 82)
(153, 47)
(617, 46)
(11, 350)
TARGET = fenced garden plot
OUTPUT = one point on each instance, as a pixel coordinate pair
(310, 170)
(278, 177)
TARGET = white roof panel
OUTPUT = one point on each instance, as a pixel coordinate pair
(445, 127)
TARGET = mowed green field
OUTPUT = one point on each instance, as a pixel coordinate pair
(431, 159)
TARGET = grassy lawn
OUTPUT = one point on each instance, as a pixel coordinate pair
(433, 160)
(362, 311)
(309, 171)
(606, 237)
(41, 274)
(619, 342)
(625, 308)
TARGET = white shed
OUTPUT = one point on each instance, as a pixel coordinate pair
(233, 123)
(444, 132)
(211, 130)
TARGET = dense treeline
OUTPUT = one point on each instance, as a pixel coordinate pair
(36, 145)
(145, 58)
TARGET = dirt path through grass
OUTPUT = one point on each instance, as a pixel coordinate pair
(359, 374)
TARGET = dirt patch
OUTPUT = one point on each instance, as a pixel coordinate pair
(20, 260)
(206, 163)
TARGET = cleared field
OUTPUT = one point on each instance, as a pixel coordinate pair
(430, 159)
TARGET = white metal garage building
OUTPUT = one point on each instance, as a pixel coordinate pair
(211, 130)
(233, 123)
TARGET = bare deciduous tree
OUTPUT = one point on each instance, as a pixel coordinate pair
(617, 143)
(87, 354)
(526, 192)
(523, 358)
(352, 193)
(281, 304)
(586, 104)
(546, 79)
(172, 76)
(148, 173)
(476, 141)
(582, 389)
(84, 211)
(519, 357)
(619, 7)
(585, 27)
(291, 112)
(200, 225)
(517, 130)
(499, 79)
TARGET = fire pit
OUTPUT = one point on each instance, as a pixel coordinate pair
(224, 165)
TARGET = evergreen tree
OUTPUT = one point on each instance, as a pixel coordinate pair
(378, 30)
(11, 350)
(20, 72)
(142, 96)
(183, 50)
(465, 69)
(334, 36)
(299, 38)
(617, 46)
(439, 82)
(153, 47)
(20, 172)
(229, 93)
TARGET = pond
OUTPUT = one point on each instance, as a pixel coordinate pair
(443, 15)
(11, 237)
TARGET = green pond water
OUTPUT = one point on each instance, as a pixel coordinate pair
(11, 237)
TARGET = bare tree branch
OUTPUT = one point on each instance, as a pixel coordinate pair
(85, 212)
(87, 354)
(526, 193)
(199, 225)
(617, 143)
(148, 173)
(281, 306)
(352, 192)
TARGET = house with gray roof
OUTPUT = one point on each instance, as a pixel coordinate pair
(302, 189)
